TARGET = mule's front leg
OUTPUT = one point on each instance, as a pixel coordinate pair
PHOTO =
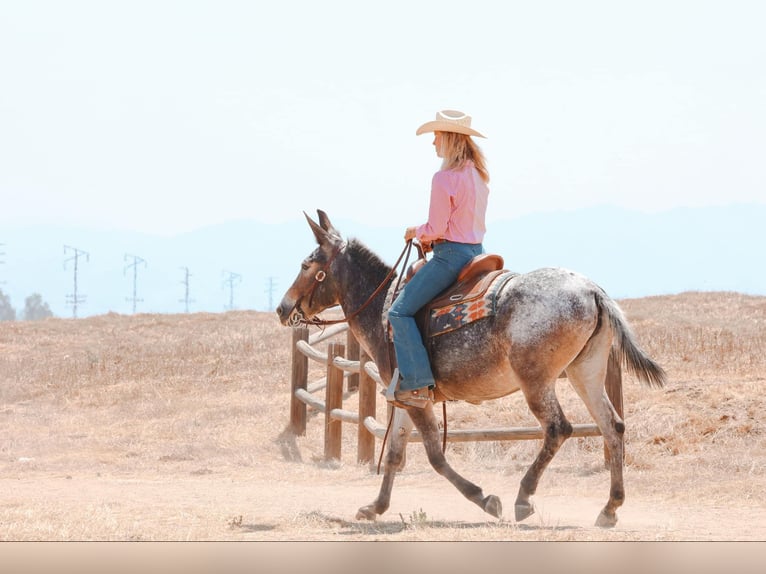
(401, 428)
(425, 422)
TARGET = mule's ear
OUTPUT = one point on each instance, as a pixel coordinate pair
(324, 221)
(319, 233)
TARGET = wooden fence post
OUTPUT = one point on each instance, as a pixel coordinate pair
(353, 355)
(365, 443)
(333, 400)
(298, 380)
(613, 384)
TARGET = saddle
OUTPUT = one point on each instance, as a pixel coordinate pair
(472, 297)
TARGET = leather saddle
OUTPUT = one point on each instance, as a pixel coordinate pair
(470, 298)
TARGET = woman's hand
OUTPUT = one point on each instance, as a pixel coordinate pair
(410, 233)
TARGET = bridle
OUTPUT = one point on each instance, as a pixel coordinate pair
(321, 275)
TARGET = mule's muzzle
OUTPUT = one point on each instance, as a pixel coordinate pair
(290, 315)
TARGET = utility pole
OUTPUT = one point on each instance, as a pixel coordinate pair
(230, 279)
(270, 291)
(75, 299)
(185, 282)
(136, 262)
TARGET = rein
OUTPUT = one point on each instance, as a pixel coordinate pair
(322, 274)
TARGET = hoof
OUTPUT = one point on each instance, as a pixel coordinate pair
(524, 510)
(606, 521)
(493, 506)
(366, 513)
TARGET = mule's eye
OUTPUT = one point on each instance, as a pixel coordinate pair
(305, 266)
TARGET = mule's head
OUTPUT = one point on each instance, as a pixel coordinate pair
(315, 288)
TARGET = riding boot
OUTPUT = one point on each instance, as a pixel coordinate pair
(417, 398)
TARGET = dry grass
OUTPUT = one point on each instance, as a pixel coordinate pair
(703, 335)
(157, 427)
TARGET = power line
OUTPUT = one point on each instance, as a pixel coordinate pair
(136, 262)
(185, 282)
(230, 279)
(75, 299)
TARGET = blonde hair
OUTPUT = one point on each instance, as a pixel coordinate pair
(457, 148)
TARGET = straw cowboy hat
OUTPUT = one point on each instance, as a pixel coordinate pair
(449, 121)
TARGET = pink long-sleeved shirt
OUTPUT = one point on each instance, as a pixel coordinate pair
(458, 207)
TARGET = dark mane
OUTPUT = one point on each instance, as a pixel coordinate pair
(359, 252)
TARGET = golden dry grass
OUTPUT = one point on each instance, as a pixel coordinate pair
(160, 427)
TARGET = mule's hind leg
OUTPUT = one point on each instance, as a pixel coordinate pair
(397, 448)
(587, 374)
(546, 408)
(425, 422)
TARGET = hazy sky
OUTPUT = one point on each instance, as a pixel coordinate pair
(164, 116)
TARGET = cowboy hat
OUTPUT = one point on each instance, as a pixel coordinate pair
(449, 121)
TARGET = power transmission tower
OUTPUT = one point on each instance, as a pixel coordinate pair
(136, 262)
(2, 254)
(75, 299)
(185, 282)
(230, 279)
(270, 291)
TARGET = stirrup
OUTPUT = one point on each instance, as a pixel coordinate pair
(417, 398)
(393, 385)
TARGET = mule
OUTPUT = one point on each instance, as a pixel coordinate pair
(548, 322)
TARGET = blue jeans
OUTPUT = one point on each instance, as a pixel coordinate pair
(439, 273)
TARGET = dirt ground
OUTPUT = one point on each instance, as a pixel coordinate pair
(286, 505)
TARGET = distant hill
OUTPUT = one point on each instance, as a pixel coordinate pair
(630, 254)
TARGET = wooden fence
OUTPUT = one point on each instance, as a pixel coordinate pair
(347, 362)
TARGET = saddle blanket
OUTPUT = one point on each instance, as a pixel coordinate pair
(463, 304)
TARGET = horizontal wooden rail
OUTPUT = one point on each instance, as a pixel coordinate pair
(470, 435)
(345, 365)
(310, 352)
(304, 396)
(328, 333)
(345, 416)
(348, 367)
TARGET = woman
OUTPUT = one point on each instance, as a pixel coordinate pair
(455, 230)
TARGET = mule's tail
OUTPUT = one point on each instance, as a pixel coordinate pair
(626, 348)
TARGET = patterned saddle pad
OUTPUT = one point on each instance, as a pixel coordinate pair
(466, 301)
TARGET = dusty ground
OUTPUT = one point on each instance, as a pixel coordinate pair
(172, 428)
